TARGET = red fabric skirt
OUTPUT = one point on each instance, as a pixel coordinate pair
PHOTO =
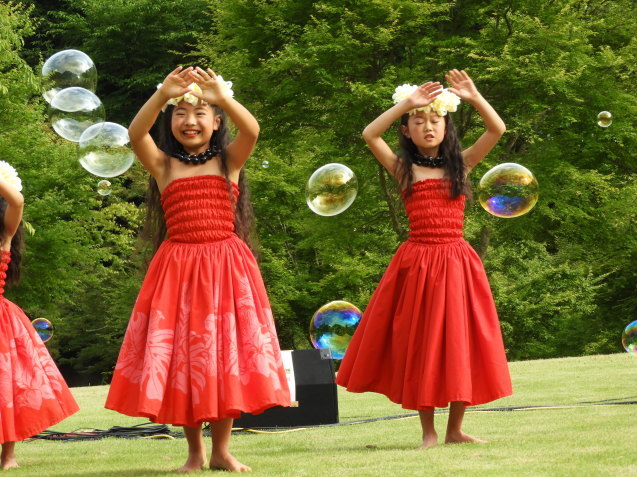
(33, 394)
(430, 334)
(201, 343)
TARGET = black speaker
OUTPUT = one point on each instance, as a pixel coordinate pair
(315, 395)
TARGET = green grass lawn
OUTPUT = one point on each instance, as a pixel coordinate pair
(565, 440)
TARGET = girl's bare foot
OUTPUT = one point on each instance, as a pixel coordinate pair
(429, 440)
(462, 438)
(7, 458)
(9, 463)
(193, 464)
(227, 462)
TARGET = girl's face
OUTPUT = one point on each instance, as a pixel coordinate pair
(193, 126)
(426, 130)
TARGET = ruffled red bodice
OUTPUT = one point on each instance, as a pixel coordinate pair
(198, 209)
(5, 258)
(434, 217)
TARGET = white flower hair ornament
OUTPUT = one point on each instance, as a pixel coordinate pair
(226, 88)
(10, 175)
(445, 102)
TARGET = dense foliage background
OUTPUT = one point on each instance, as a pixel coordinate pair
(315, 73)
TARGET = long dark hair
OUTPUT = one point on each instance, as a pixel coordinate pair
(450, 149)
(155, 226)
(17, 246)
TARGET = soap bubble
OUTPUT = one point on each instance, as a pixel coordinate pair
(73, 110)
(104, 187)
(629, 338)
(508, 190)
(265, 164)
(44, 328)
(105, 150)
(65, 69)
(333, 325)
(604, 119)
(331, 189)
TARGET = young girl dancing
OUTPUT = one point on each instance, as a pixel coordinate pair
(33, 394)
(201, 344)
(430, 335)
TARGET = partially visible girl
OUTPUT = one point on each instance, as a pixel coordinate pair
(33, 394)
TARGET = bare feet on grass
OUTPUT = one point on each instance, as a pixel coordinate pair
(7, 458)
(9, 463)
(193, 464)
(429, 440)
(227, 462)
(462, 438)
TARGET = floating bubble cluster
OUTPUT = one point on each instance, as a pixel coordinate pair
(104, 187)
(604, 119)
(105, 150)
(333, 325)
(44, 328)
(629, 338)
(331, 189)
(73, 110)
(65, 69)
(508, 190)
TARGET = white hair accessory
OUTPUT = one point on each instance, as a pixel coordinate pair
(10, 175)
(445, 102)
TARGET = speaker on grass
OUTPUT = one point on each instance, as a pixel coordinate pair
(313, 378)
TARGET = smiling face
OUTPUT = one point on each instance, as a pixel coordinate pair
(426, 130)
(193, 126)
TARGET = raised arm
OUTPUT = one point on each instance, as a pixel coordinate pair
(462, 85)
(213, 92)
(13, 213)
(423, 96)
(152, 158)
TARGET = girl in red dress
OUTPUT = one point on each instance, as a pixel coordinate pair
(33, 394)
(430, 335)
(201, 344)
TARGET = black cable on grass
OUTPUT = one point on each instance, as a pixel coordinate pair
(150, 430)
(147, 429)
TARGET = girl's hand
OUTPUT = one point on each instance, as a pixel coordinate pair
(424, 95)
(462, 85)
(177, 82)
(212, 90)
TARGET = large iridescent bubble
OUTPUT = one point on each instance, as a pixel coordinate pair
(65, 69)
(508, 190)
(105, 150)
(73, 110)
(331, 189)
(629, 338)
(604, 119)
(44, 328)
(333, 325)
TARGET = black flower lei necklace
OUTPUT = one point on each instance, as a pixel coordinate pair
(196, 159)
(428, 161)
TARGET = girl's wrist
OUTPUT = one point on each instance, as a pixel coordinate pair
(162, 94)
(223, 101)
(476, 98)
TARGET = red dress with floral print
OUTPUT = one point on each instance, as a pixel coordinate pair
(201, 343)
(430, 334)
(33, 394)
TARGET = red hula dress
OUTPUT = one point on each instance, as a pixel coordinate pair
(201, 343)
(33, 394)
(430, 334)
